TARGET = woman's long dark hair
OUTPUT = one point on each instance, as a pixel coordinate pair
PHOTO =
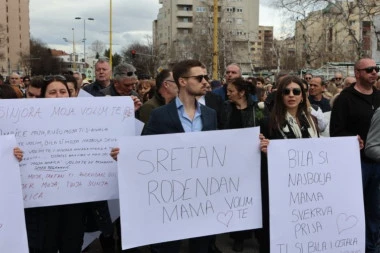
(277, 116)
(243, 85)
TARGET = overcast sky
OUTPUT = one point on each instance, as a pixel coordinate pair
(53, 20)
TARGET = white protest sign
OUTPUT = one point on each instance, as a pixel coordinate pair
(185, 185)
(66, 144)
(316, 197)
(12, 221)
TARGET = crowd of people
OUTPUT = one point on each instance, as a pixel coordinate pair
(182, 100)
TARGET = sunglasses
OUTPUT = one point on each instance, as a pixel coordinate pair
(131, 73)
(199, 77)
(307, 78)
(371, 69)
(337, 78)
(54, 78)
(295, 91)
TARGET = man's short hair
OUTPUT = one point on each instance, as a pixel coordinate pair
(124, 70)
(160, 78)
(37, 82)
(102, 60)
(182, 68)
(323, 81)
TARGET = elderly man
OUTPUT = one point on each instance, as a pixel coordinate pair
(233, 71)
(124, 83)
(103, 74)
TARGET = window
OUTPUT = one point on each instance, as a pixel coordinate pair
(239, 9)
(230, 9)
(201, 9)
(229, 20)
(239, 21)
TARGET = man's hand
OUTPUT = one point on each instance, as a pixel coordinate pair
(17, 152)
(114, 153)
(136, 102)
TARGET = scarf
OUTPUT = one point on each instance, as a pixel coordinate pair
(292, 130)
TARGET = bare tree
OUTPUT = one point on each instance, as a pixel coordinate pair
(145, 60)
(328, 30)
(98, 47)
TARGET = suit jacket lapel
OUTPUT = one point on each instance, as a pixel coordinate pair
(173, 114)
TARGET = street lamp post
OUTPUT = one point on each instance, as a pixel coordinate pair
(84, 35)
(74, 53)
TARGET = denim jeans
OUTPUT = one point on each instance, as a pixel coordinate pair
(371, 192)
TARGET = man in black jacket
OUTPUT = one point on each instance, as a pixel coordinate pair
(351, 116)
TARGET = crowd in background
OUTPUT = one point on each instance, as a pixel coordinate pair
(288, 107)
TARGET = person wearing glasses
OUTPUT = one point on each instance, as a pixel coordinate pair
(103, 75)
(124, 82)
(307, 77)
(317, 86)
(338, 79)
(166, 91)
(351, 116)
(182, 115)
(289, 119)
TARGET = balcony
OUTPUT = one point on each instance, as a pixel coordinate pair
(184, 13)
(184, 2)
(184, 25)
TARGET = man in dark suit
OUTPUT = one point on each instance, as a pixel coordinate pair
(184, 114)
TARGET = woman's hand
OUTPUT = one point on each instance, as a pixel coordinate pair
(114, 153)
(361, 142)
(263, 143)
(17, 152)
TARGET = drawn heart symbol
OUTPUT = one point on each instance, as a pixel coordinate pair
(225, 218)
(345, 222)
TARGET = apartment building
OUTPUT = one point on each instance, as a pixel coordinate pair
(263, 50)
(343, 31)
(14, 35)
(184, 29)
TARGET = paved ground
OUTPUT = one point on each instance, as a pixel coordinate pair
(223, 242)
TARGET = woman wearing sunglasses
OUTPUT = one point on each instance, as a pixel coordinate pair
(289, 119)
(55, 228)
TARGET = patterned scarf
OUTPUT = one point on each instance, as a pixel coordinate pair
(292, 130)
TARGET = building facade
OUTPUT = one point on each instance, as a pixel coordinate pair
(184, 29)
(263, 50)
(14, 36)
(343, 31)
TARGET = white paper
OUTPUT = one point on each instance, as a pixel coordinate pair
(177, 186)
(66, 145)
(12, 219)
(316, 197)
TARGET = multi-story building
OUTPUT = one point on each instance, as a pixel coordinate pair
(344, 31)
(263, 51)
(14, 36)
(184, 29)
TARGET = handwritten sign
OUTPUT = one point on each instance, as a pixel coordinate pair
(316, 198)
(12, 222)
(66, 144)
(193, 180)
